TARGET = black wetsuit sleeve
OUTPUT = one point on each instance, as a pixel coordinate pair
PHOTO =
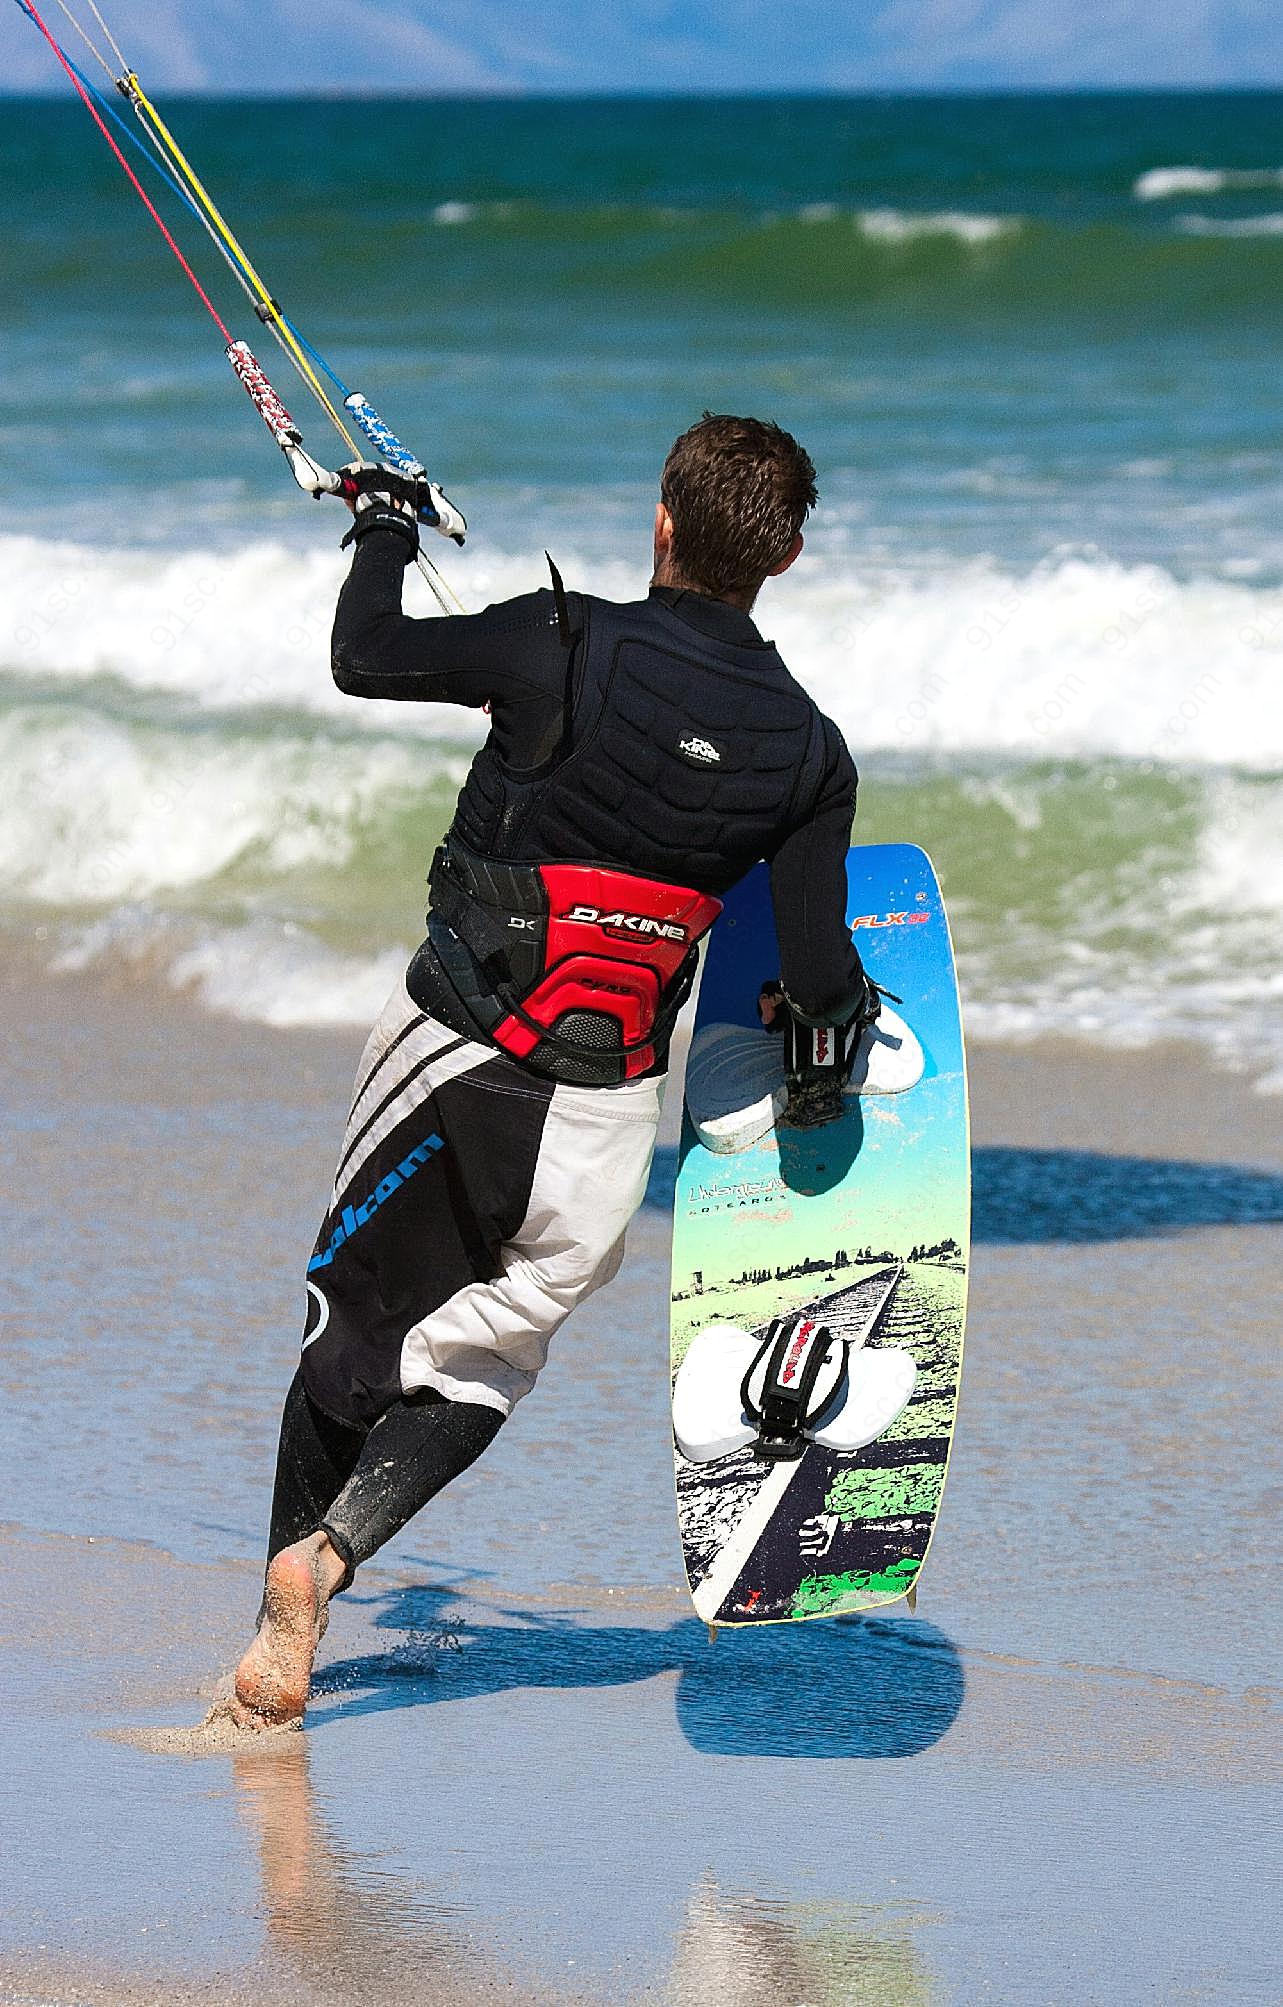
(510, 656)
(819, 965)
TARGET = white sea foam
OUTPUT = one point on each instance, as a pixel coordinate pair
(1165, 926)
(1270, 225)
(229, 630)
(1209, 971)
(1104, 1006)
(275, 973)
(233, 630)
(448, 215)
(1077, 658)
(1157, 184)
(98, 809)
(904, 226)
(282, 976)
(1213, 982)
(1238, 869)
(181, 784)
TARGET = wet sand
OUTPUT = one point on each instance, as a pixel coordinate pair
(526, 1774)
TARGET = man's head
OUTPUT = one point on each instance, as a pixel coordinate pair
(734, 495)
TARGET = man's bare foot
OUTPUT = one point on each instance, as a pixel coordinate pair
(275, 1675)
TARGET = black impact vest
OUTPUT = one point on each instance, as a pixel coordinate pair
(681, 757)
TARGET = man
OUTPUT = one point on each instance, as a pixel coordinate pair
(641, 758)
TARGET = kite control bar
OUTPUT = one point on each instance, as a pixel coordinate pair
(401, 476)
(410, 481)
(430, 504)
(398, 471)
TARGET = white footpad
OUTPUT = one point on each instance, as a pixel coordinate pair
(858, 1395)
(708, 1414)
(879, 1388)
(735, 1077)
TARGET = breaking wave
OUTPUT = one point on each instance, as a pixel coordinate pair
(1158, 184)
(1269, 225)
(1091, 751)
(900, 226)
(1093, 901)
(1078, 657)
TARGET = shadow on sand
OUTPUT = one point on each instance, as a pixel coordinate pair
(849, 1687)
(1082, 1195)
(1029, 1196)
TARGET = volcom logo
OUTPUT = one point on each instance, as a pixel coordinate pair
(313, 1331)
(352, 1218)
(700, 752)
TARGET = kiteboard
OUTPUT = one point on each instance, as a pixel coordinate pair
(820, 1275)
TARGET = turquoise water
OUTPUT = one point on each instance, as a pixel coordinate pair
(964, 304)
(1033, 344)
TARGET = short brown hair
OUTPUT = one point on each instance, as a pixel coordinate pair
(738, 491)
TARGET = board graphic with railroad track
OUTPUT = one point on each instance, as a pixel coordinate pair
(858, 1231)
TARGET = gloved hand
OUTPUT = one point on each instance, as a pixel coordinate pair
(817, 1057)
(378, 509)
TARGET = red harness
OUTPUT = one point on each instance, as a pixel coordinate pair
(589, 963)
(614, 945)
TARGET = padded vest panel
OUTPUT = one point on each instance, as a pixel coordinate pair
(687, 757)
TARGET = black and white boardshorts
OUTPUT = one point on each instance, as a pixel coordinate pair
(475, 1204)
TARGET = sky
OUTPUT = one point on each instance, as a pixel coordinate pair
(278, 47)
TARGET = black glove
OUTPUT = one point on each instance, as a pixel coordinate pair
(381, 509)
(817, 1057)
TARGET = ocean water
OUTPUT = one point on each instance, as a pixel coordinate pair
(1033, 344)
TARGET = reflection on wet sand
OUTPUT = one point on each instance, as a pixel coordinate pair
(343, 1927)
(742, 1952)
